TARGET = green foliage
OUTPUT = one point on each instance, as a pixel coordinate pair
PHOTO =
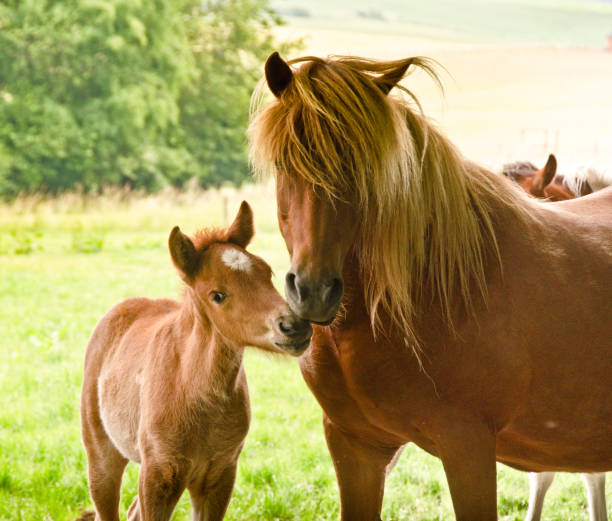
(19, 241)
(144, 93)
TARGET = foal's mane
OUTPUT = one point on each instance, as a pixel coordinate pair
(427, 224)
(204, 237)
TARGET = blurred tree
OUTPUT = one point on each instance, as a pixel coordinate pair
(139, 92)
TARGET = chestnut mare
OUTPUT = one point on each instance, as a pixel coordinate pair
(544, 183)
(164, 384)
(402, 251)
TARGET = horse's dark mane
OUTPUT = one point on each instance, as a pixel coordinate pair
(518, 169)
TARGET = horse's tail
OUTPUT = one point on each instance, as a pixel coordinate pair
(86, 515)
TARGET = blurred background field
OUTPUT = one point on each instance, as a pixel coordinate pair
(524, 79)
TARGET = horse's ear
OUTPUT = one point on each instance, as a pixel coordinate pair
(543, 177)
(242, 230)
(550, 169)
(392, 77)
(278, 74)
(183, 252)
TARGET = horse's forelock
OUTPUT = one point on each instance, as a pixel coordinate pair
(333, 126)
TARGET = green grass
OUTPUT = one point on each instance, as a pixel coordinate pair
(52, 295)
(572, 23)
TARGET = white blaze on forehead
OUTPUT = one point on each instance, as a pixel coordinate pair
(236, 260)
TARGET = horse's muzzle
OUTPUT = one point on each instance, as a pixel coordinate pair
(296, 333)
(316, 301)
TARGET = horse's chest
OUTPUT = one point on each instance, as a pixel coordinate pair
(370, 387)
(218, 431)
(380, 385)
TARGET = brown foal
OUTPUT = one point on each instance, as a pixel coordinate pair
(164, 384)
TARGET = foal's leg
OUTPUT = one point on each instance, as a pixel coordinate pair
(538, 486)
(133, 513)
(160, 485)
(105, 463)
(210, 501)
(596, 496)
(361, 471)
(467, 452)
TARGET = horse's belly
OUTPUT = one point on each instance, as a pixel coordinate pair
(555, 443)
(120, 413)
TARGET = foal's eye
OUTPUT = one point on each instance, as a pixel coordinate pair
(217, 296)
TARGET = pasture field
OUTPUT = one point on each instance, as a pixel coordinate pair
(502, 101)
(575, 23)
(64, 262)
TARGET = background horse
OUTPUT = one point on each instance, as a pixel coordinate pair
(545, 183)
(401, 252)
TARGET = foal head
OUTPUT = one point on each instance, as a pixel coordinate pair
(232, 289)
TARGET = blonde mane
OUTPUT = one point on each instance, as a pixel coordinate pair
(425, 214)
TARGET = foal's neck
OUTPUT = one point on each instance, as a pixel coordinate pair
(210, 364)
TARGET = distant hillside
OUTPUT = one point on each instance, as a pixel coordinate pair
(566, 23)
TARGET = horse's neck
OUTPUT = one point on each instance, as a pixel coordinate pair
(431, 311)
(209, 363)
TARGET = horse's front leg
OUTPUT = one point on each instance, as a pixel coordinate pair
(360, 470)
(467, 451)
(160, 485)
(210, 501)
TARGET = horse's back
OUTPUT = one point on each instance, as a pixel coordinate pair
(597, 205)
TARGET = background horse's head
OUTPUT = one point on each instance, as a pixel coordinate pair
(542, 183)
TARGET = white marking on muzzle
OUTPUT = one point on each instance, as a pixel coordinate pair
(236, 260)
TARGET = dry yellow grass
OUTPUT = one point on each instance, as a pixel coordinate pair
(501, 103)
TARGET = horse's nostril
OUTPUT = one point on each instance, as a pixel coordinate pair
(335, 291)
(290, 285)
(298, 292)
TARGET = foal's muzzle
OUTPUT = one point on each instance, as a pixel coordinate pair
(295, 333)
(316, 301)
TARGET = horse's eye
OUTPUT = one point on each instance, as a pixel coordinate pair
(217, 296)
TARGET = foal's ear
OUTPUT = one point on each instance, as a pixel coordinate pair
(183, 252)
(393, 76)
(278, 74)
(242, 230)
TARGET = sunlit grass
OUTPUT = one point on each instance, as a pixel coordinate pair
(52, 296)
